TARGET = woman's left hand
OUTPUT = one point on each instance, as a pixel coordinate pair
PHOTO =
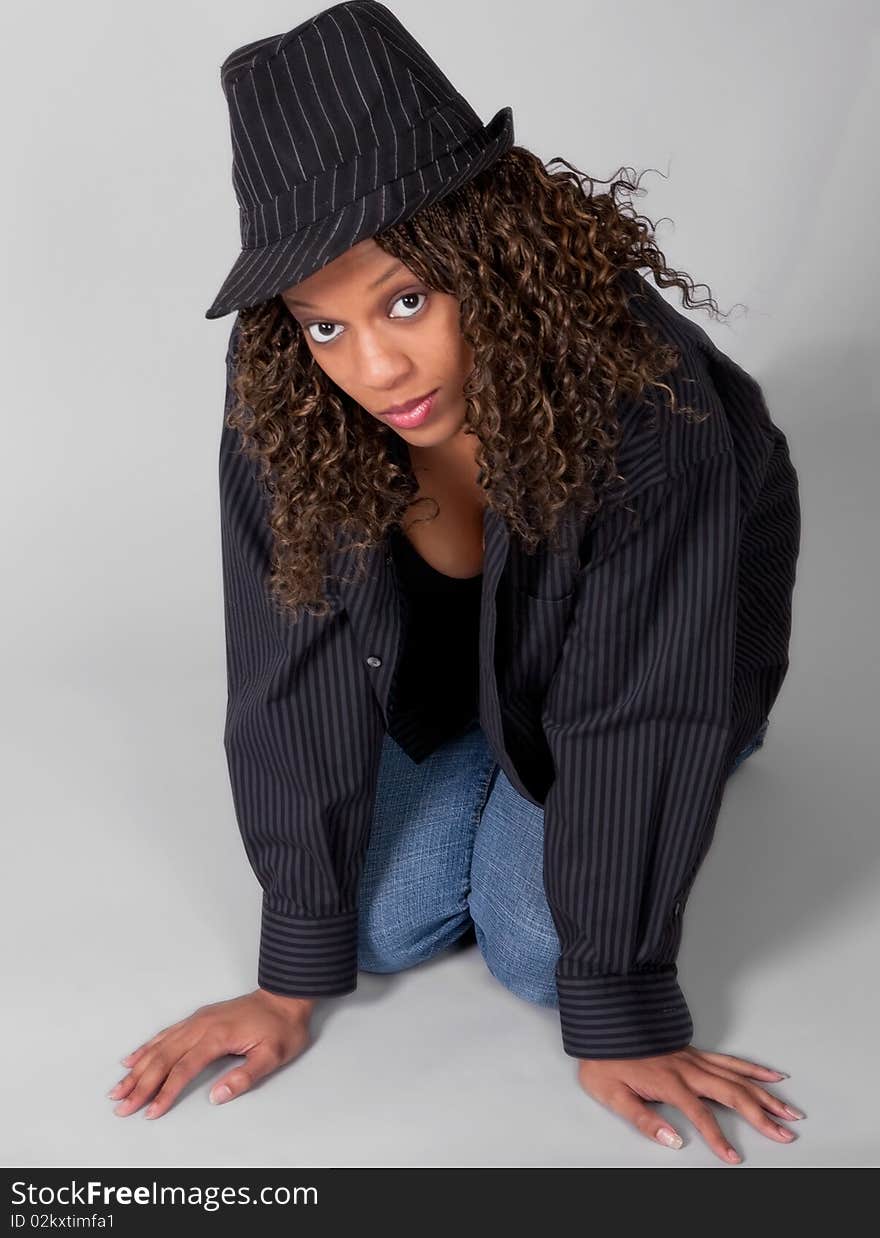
(682, 1079)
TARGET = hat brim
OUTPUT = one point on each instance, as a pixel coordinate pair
(263, 272)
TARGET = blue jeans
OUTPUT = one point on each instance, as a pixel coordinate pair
(453, 846)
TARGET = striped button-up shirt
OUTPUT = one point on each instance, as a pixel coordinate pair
(619, 679)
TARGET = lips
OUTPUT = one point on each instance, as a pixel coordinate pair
(419, 412)
(397, 410)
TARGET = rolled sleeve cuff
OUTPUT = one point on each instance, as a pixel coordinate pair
(308, 956)
(638, 1015)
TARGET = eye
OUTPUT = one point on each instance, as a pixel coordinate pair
(411, 296)
(324, 339)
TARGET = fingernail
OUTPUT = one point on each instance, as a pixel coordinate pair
(670, 1138)
(219, 1095)
(795, 1113)
(150, 1111)
(733, 1155)
(113, 1091)
(782, 1074)
(784, 1133)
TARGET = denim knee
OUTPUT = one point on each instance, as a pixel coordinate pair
(393, 936)
(522, 954)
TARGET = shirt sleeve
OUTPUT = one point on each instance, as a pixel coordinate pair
(638, 720)
(302, 739)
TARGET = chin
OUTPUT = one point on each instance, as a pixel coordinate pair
(432, 436)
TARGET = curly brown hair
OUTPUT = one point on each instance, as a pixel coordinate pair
(535, 260)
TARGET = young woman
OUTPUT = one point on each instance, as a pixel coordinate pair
(509, 549)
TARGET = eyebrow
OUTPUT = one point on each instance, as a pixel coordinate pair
(386, 274)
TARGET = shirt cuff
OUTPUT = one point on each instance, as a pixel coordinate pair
(642, 1014)
(313, 956)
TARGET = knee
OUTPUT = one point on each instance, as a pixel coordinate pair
(384, 950)
(392, 938)
(520, 951)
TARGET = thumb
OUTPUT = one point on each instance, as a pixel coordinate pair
(259, 1061)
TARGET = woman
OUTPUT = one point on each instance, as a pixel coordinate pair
(476, 685)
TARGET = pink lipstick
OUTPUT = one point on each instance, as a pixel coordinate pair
(413, 416)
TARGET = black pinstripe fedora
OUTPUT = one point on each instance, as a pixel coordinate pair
(341, 127)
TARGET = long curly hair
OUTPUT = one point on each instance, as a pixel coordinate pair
(534, 258)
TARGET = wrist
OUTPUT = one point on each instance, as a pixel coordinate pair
(288, 1002)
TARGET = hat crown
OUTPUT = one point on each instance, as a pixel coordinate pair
(340, 128)
(328, 95)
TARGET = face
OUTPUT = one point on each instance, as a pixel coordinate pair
(386, 339)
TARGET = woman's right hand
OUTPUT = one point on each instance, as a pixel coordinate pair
(266, 1028)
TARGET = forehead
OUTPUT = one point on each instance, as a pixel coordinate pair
(359, 270)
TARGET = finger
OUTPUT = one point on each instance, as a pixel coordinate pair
(145, 1086)
(704, 1120)
(763, 1097)
(144, 1061)
(182, 1072)
(737, 1064)
(131, 1058)
(644, 1118)
(260, 1061)
(123, 1087)
(739, 1098)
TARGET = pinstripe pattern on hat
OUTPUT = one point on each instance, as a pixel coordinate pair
(340, 128)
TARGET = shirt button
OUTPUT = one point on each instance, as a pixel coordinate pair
(372, 660)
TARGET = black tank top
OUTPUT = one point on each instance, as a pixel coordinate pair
(435, 695)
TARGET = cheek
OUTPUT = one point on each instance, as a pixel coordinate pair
(449, 349)
(323, 361)
(334, 372)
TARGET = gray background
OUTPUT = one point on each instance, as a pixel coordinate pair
(127, 898)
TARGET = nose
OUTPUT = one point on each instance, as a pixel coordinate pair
(381, 364)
